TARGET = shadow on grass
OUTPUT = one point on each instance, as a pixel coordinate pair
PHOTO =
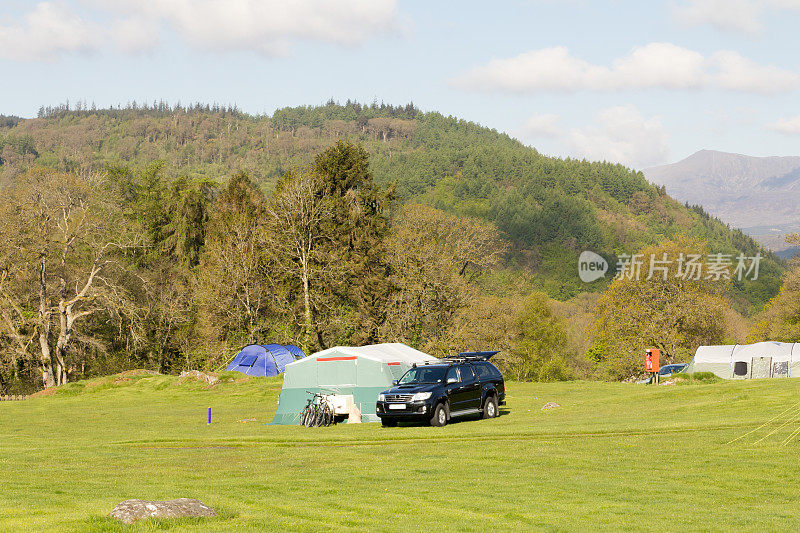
(456, 420)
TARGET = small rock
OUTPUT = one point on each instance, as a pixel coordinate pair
(550, 405)
(130, 511)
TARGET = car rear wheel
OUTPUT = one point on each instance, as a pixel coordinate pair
(439, 417)
(490, 407)
(388, 423)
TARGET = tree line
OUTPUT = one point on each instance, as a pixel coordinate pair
(103, 271)
(106, 271)
(334, 224)
(548, 210)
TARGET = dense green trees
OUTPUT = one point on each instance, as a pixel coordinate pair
(540, 350)
(537, 202)
(434, 258)
(235, 293)
(780, 319)
(343, 224)
(355, 230)
(661, 304)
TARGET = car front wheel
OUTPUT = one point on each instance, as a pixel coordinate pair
(439, 417)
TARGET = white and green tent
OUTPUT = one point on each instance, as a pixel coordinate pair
(749, 361)
(363, 371)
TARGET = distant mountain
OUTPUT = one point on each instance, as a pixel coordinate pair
(746, 192)
(789, 253)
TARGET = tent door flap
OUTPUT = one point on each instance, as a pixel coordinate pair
(761, 367)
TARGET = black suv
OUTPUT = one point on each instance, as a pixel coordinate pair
(437, 391)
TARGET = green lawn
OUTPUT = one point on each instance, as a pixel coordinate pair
(614, 456)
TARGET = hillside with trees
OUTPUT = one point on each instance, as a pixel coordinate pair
(167, 237)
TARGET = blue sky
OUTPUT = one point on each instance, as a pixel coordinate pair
(641, 83)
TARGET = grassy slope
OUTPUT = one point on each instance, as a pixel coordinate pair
(615, 456)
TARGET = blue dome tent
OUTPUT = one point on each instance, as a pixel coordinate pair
(281, 355)
(295, 351)
(265, 360)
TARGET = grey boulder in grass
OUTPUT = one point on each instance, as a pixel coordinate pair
(130, 511)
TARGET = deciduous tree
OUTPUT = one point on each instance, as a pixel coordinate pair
(235, 293)
(539, 352)
(434, 257)
(64, 243)
(780, 319)
(670, 311)
(298, 231)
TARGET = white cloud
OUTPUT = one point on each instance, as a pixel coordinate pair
(787, 126)
(268, 27)
(659, 65)
(655, 65)
(48, 31)
(793, 5)
(742, 16)
(546, 69)
(264, 26)
(544, 125)
(737, 16)
(622, 135)
(135, 34)
(734, 72)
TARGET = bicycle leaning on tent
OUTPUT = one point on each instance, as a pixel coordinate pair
(317, 412)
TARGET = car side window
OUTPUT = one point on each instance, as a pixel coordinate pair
(484, 371)
(452, 373)
(496, 372)
(467, 374)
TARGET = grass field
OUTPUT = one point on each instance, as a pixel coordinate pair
(614, 456)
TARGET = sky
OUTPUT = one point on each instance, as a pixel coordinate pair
(637, 82)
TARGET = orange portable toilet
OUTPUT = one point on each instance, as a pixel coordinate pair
(651, 359)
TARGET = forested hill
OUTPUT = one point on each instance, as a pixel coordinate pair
(548, 209)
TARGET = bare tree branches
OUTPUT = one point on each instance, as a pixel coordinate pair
(296, 231)
(62, 249)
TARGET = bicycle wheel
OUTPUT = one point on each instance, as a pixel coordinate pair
(305, 416)
(327, 415)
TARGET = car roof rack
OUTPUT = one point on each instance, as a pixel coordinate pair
(478, 355)
(462, 357)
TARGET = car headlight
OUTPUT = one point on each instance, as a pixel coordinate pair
(381, 397)
(420, 396)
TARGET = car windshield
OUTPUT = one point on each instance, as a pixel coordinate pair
(424, 374)
(670, 369)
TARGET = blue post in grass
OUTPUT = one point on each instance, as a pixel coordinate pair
(209, 415)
